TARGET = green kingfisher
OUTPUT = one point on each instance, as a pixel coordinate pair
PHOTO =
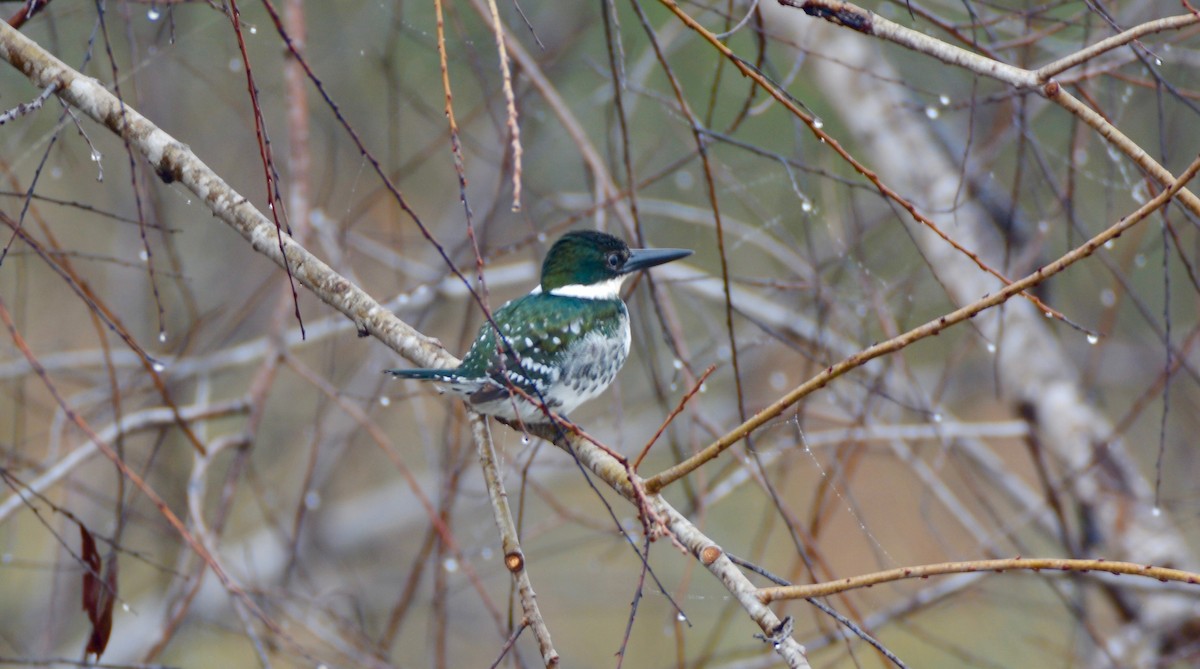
(563, 342)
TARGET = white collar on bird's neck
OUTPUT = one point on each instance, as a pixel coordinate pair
(605, 290)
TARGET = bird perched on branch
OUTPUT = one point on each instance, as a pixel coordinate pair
(563, 343)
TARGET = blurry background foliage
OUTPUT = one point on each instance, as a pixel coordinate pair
(316, 523)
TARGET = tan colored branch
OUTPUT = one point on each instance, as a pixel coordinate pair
(510, 102)
(514, 557)
(1007, 564)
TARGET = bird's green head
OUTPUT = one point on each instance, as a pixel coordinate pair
(593, 264)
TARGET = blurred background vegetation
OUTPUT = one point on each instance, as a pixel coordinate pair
(946, 450)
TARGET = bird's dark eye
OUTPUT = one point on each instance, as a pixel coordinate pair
(614, 260)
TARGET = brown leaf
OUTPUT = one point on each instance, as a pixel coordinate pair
(99, 594)
(91, 573)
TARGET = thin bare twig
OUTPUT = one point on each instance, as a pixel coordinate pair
(674, 413)
(510, 102)
(27, 107)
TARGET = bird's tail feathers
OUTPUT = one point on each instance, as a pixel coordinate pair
(420, 374)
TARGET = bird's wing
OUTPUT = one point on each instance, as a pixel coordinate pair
(537, 330)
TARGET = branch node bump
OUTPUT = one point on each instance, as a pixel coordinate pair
(514, 561)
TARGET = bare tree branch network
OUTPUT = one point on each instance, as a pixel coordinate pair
(925, 396)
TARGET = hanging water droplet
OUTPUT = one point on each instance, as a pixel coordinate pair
(703, 388)
(818, 123)
(450, 565)
(677, 363)
(932, 112)
(143, 256)
(385, 401)
(253, 30)
(153, 14)
(1093, 339)
(1049, 314)
(1156, 512)
(162, 337)
(158, 366)
(944, 100)
(991, 348)
(96, 157)
(684, 180)
(1158, 61)
(1109, 245)
(936, 417)
(525, 439)
(806, 206)
(778, 380)
(680, 617)
(1140, 192)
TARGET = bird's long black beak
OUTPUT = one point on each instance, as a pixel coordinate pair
(643, 258)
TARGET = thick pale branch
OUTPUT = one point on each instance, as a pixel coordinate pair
(851, 16)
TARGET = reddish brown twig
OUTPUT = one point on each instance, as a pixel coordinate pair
(678, 410)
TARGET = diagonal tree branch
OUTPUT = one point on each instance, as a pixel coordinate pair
(173, 161)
